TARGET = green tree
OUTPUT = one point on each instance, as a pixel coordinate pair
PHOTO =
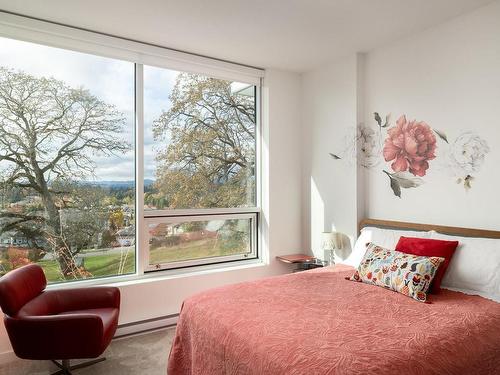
(81, 213)
(50, 133)
(210, 157)
(116, 220)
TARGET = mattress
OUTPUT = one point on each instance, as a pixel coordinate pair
(316, 322)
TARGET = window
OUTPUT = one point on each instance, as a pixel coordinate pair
(179, 242)
(93, 147)
(200, 158)
(67, 199)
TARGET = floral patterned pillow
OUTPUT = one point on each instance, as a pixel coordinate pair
(408, 274)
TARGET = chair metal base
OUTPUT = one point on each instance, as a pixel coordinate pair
(66, 368)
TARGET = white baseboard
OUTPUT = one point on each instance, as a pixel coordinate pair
(146, 325)
(123, 330)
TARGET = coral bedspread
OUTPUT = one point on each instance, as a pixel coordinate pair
(317, 322)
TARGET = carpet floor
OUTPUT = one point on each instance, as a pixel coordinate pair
(139, 354)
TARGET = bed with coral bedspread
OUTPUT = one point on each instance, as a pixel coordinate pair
(316, 322)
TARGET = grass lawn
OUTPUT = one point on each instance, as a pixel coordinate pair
(103, 265)
(205, 248)
(98, 266)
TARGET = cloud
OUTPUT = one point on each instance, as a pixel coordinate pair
(111, 80)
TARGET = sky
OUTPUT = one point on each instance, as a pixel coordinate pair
(109, 79)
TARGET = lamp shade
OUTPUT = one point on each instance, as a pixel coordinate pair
(328, 240)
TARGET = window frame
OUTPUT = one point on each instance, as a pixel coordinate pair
(253, 217)
(71, 38)
(231, 213)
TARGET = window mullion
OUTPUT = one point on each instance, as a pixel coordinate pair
(141, 238)
(200, 211)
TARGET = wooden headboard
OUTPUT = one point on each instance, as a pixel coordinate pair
(454, 231)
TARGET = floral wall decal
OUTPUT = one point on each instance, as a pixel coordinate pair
(369, 146)
(409, 147)
(365, 146)
(466, 157)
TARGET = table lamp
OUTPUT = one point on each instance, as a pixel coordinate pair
(328, 245)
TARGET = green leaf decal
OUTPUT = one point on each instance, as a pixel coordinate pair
(336, 157)
(387, 121)
(407, 180)
(441, 135)
(396, 188)
(402, 180)
(377, 118)
(467, 182)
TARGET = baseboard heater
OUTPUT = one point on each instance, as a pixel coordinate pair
(146, 325)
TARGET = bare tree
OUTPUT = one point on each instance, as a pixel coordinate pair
(210, 157)
(50, 132)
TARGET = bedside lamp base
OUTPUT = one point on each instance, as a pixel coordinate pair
(329, 257)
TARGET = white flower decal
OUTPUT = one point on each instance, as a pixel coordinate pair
(368, 142)
(467, 155)
(362, 145)
(468, 152)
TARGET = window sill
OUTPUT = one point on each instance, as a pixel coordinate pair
(120, 281)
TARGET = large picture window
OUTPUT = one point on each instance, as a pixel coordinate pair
(79, 133)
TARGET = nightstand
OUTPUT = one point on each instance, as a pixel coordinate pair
(302, 261)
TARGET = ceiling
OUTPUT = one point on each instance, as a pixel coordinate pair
(295, 35)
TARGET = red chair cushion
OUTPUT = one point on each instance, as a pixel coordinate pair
(20, 286)
(77, 334)
(430, 248)
(109, 317)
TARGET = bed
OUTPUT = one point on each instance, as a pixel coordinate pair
(317, 322)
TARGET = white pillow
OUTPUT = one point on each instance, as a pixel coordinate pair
(387, 238)
(475, 266)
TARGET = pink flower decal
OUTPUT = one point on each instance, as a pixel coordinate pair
(411, 145)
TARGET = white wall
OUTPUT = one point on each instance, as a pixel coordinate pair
(447, 76)
(329, 186)
(281, 213)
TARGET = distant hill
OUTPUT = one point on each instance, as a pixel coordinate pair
(118, 184)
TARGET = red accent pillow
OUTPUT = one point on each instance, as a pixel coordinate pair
(430, 248)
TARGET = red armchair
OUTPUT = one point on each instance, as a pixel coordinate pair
(57, 324)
